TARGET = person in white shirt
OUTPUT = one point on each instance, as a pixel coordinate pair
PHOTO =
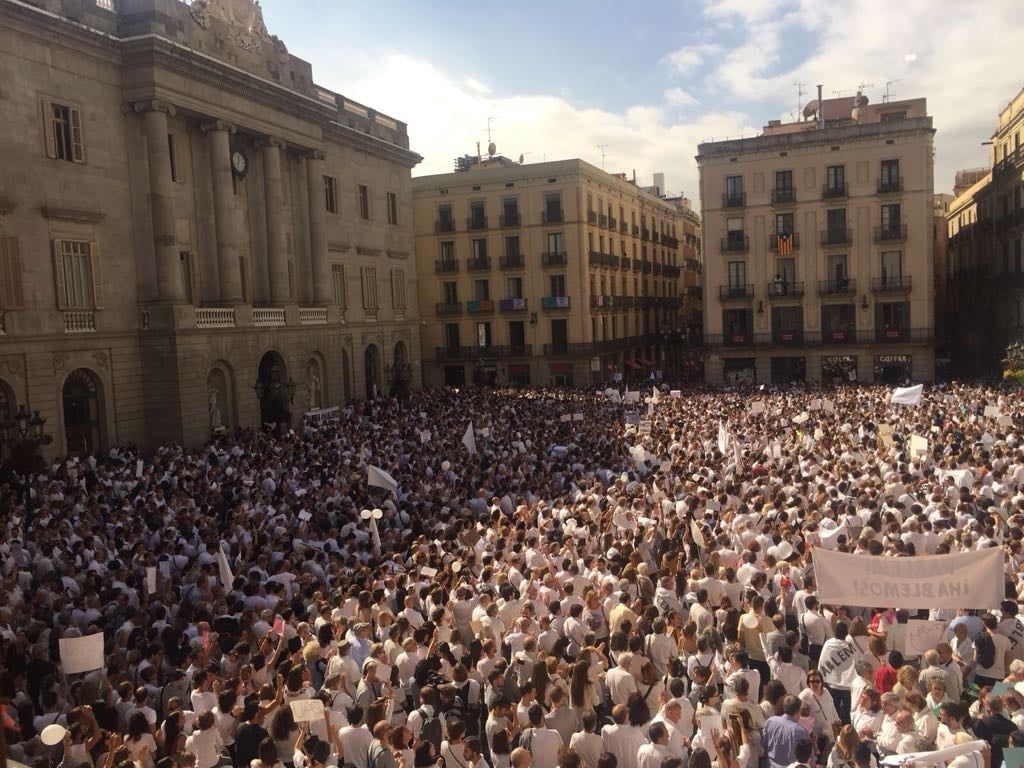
(622, 739)
(653, 754)
(785, 671)
(620, 680)
(670, 716)
(541, 742)
(587, 744)
(661, 647)
(205, 742)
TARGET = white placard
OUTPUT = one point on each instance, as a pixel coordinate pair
(921, 636)
(430, 573)
(801, 418)
(565, 417)
(992, 412)
(828, 406)
(675, 393)
(708, 725)
(644, 428)
(885, 435)
(305, 516)
(907, 395)
(151, 579)
(632, 397)
(577, 417)
(81, 654)
(698, 537)
(424, 436)
(918, 445)
(1005, 421)
(756, 407)
(307, 710)
(815, 405)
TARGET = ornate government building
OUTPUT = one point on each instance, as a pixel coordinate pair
(194, 235)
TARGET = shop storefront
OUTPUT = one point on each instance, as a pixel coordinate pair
(838, 370)
(739, 371)
(892, 369)
(786, 370)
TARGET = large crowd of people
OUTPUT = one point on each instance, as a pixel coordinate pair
(592, 581)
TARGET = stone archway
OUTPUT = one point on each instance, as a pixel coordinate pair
(275, 389)
(371, 371)
(83, 411)
(400, 370)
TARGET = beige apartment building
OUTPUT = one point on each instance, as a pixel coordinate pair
(546, 273)
(985, 252)
(818, 255)
(194, 235)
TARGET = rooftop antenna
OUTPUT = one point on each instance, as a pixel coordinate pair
(602, 147)
(862, 86)
(888, 90)
(799, 96)
(839, 94)
(491, 148)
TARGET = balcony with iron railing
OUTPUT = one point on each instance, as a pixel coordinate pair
(512, 305)
(476, 222)
(782, 289)
(834, 336)
(591, 217)
(734, 200)
(776, 242)
(478, 263)
(554, 302)
(623, 227)
(783, 196)
(612, 224)
(891, 234)
(510, 219)
(513, 261)
(444, 225)
(479, 306)
(637, 265)
(552, 216)
(553, 259)
(636, 230)
(446, 266)
(788, 336)
(835, 191)
(602, 220)
(891, 284)
(890, 335)
(837, 287)
(645, 234)
(836, 236)
(737, 243)
(449, 308)
(736, 292)
(889, 186)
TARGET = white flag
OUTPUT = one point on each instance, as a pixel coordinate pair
(378, 478)
(227, 578)
(655, 394)
(907, 395)
(469, 439)
(723, 438)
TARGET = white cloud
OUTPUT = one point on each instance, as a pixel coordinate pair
(910, 58)
(476, 86)
(447, 116)
(689, 58)
(677, 97)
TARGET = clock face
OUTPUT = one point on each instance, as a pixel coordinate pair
(239, 162)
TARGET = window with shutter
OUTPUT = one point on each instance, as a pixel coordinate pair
(11, 290)
(338, 285)
(370, 288)
(62, 132)
(49, 131)
(96, 276)
(398, 288)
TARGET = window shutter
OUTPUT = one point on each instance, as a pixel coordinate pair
(77, 147)
(243, 271)
(97, 276)
(48, 136)
(58, 275)
(193, 278)
(11, 291)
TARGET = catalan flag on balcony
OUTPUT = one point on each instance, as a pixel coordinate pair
(785, 245)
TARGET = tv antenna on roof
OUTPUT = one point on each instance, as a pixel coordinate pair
(602, 147)
(839, 94)
(888, 90)
(491, 147)
(799, 96)
(862, 86)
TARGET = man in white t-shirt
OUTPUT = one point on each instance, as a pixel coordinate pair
(541, 742)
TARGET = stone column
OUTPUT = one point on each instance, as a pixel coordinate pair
(277, 257)
(170, 286)
(228, 266)
(322, 292)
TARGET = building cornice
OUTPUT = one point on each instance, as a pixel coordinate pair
(372, 144)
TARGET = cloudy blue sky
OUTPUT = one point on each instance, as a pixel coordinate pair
(650, 80)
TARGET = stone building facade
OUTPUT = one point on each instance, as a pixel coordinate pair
(818, 247)
(194, 235)
(552, 273)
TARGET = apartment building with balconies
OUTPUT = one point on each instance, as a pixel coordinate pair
(984, 282)
(544, 273)
(194, 235)
(817, 244)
